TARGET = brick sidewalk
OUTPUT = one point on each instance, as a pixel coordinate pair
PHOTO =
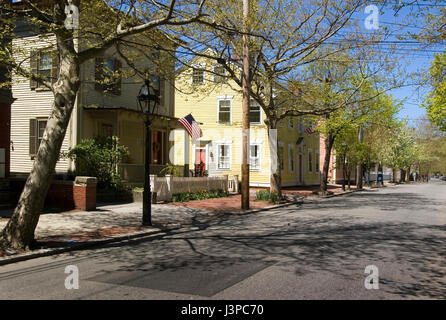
(230, 204)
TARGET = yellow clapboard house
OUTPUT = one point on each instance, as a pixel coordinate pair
(216, 104)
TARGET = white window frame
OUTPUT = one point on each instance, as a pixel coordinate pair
(201, 66)
(224, 98)
(259, 152)
(301, 126)
(291, 154)
(215, 75)
(229, 145)
(260, 112)
(310, 165)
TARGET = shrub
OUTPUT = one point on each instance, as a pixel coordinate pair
(265, 195)
(172, 170)
(199, 195)
(99, 157)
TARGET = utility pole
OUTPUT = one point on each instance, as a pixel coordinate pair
(245, 106)
(359, 168)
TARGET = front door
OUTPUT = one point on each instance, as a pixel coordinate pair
(200, 159)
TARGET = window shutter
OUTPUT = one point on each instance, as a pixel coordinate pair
(162, 92)
(33, 68)
(54, 67)
(117, 85)
(32, 137)
(98, 74)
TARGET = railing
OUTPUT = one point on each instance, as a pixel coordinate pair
(233, 184)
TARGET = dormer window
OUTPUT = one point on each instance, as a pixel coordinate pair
(198, 76)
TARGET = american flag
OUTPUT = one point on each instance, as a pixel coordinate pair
(191, 126)
(310, 130)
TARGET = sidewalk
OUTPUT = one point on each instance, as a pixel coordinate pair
(123, 221)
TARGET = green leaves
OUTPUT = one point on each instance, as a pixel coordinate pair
(99, 157)
(436, 102)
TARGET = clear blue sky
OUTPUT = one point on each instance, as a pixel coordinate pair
(413, 57)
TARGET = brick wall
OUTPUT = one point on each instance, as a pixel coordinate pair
(65, 195)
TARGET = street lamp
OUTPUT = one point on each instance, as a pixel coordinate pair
(148, 98)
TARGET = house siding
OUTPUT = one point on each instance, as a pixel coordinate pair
(202, 102)
(30, 104)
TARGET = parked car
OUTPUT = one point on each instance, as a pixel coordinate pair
(443, 178)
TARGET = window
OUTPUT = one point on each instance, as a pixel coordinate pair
(291, 164)
(290, 123)
(219, 74)
(197, 77)
(108, 75)
(224, 111)
(317, 163)
(36, 131)
(301, 125)
(44, 66)
(281, 150)
(254, 157)
(310, 160)
(158, 147)
(255, 113)
(224, 158)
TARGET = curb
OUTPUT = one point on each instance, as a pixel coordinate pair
(129, 236)
(80, 246)
(300, 201)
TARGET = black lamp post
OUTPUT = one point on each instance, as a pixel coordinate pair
(148, 98)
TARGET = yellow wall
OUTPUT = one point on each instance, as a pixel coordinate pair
(202, 102)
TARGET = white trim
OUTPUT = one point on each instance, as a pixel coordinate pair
(255, 184)
(195, 67)
(260, 111)
(224, 98)
(218, 144)
(259, 145)
(215, 75)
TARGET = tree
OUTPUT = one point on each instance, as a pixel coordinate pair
(103, 24)
(399, 152)
(286, 37)
(436, 102)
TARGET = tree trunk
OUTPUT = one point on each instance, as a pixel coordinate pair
(276, 178)
(359, 169)
(19, 232)
(329, 139)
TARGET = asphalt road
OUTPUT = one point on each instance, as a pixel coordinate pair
(313, 251)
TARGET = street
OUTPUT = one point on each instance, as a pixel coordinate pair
(316, 250)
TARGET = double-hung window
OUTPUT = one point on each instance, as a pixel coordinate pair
(255, 112)
(198, 75)
(291, 164)
(224, 111)
(224, 157)
(254, 157)
(219, 74)
(310, 160)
